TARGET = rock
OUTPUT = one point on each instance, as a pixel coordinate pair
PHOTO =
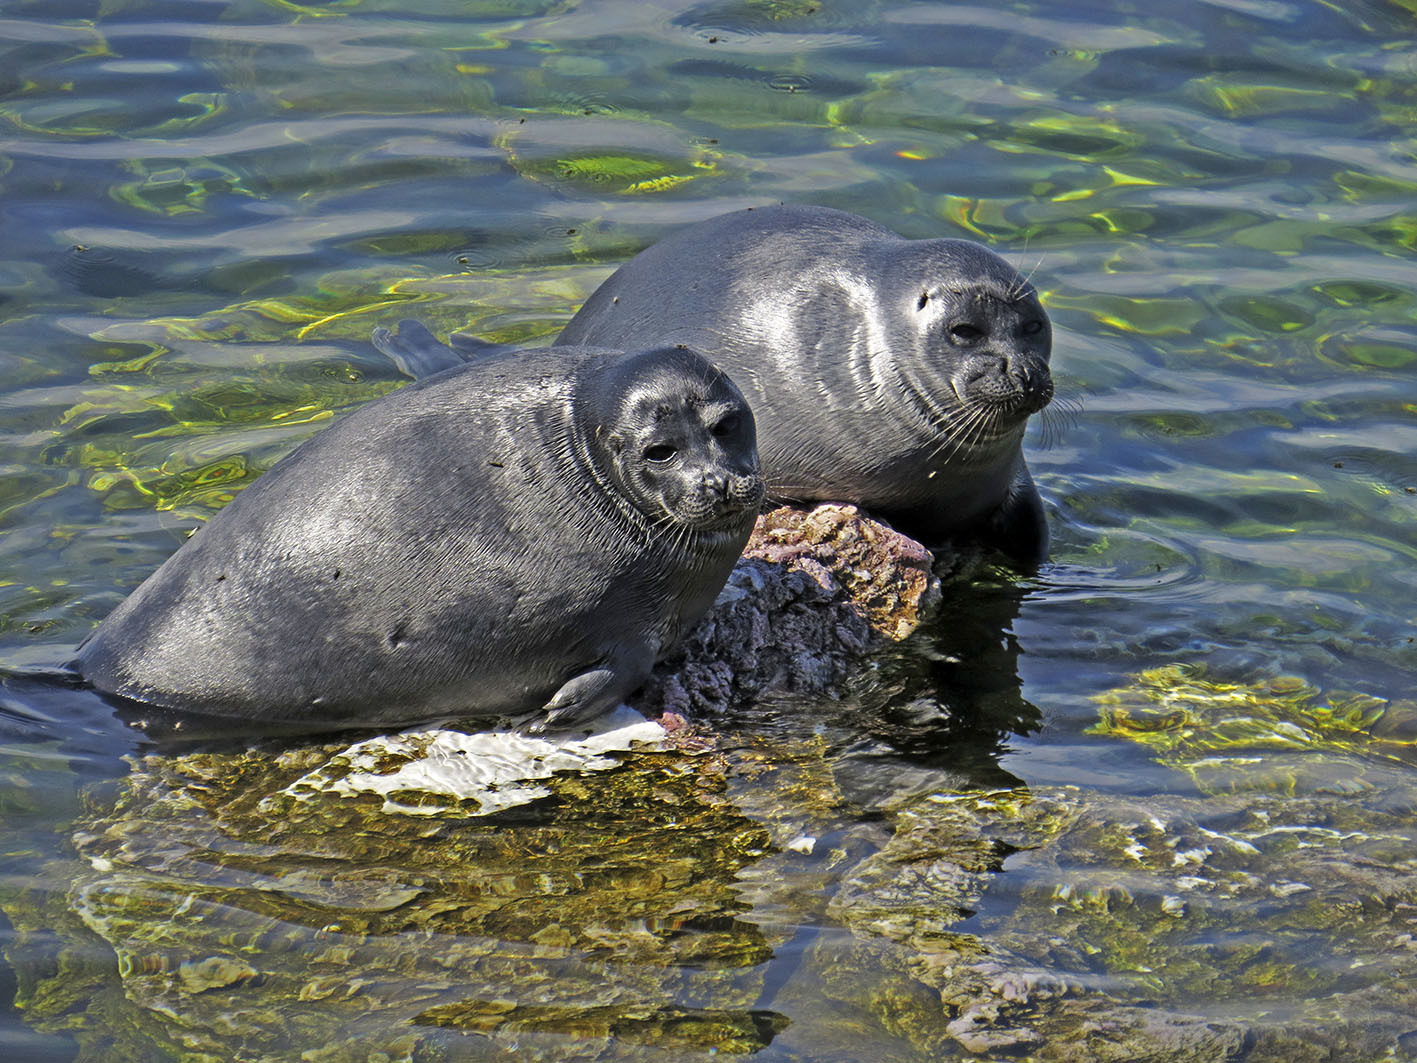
(814, 593)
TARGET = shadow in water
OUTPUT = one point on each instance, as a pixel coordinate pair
(944, 703)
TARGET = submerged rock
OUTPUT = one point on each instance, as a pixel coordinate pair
(1169, 928)
(800, 885)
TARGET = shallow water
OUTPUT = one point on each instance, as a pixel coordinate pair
(1164, 805)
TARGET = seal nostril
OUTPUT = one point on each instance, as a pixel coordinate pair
(965, 333)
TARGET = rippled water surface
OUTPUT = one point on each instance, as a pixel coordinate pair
(1157, 802)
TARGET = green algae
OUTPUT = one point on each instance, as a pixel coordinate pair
(1186, 716)
(161, 429)
(1153, 318)
(627, 174)
(1076, 136)
(654, 157)
(188, 439)
(231, 904)
(1235, 97)
(172, 191)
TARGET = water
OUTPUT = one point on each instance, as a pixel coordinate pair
(1165, 807)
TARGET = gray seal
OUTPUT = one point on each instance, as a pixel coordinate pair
(895, 374)
(523, 535)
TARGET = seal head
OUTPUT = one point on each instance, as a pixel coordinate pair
(683, 455)
(990, 340)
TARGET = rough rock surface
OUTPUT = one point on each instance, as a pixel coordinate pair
(814, 592)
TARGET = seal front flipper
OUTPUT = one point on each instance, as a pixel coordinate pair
(584, 697)
(415, 350)
(1019, 527)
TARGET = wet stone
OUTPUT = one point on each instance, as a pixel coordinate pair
(814, 593)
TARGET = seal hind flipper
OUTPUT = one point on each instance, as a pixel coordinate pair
(470, 346)
(415, 350)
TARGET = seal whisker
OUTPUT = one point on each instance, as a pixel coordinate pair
(957, 439)
(1021, 282)
(969, 432)
(789, 494)
(948, 423)
(667, 525)
(1057, 419)
(1025, 282)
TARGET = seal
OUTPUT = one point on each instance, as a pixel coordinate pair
(895, 374)
(521, 537)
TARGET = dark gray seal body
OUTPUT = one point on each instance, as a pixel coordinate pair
(527, 533)
(896, 374)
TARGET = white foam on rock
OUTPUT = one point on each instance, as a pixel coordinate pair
(430, 771)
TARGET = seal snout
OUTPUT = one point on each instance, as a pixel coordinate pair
(1033, 384)
(745, 492)
(721, 496)
(1009, 384)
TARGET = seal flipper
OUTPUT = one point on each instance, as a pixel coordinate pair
(584, 697)
(415, 350)
(470, 346)
(1019, 527)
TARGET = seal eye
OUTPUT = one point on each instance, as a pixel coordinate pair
(660, 453)
(964, 332)
(726, 427)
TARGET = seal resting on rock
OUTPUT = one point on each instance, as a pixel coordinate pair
(519, 537)
(895, 374)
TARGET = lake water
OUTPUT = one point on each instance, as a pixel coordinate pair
(1156, 802)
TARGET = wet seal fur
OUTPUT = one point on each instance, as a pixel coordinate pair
(521, 536)
(895, 374)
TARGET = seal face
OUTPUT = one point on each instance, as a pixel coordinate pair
(895, 374)
(524, 535)
(670, 451)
